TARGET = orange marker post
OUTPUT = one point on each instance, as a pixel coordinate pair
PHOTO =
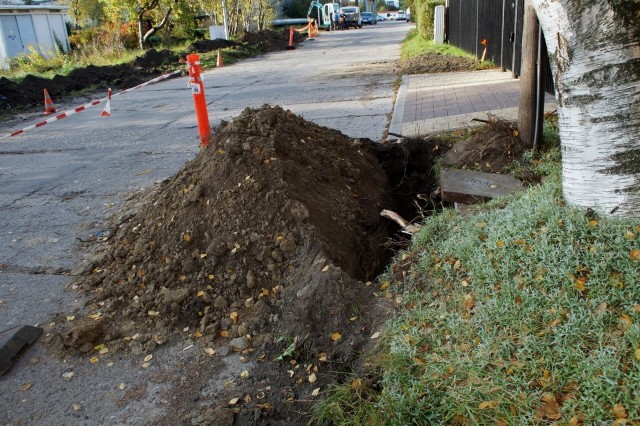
(197, 88)
(291, 46)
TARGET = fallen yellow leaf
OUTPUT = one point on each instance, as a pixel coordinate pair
(634, 254)
(26, 386)
(593, 223)
(122, 386)
(500, 243)
(245, 374)
(197, 334)
(385, 285)
(312, 377)
(336, 336)
(187, 237)
(637, 353)
(200, 293)
(234, 401)
(153, 313)
(224, 333)
(322, 356)
(315, 392)
(71, 317)
(209, 351)
(234, 317)
(375, 335)
(356, 384)
(488, 404)
(619, 412)
(630, 235)
(148, 358)
(93, 359)
(468, 302)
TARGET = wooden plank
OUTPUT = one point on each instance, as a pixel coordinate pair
(469, 187)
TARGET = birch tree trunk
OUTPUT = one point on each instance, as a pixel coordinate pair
(594, 48)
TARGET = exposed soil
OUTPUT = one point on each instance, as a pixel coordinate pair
(490, 149)
(264, 245)
(264, 251)
(433, 63)
(29, 92)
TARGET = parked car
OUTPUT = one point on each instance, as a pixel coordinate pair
(352, 14)
(408, 14)
(381, 17)
(369, 18)
(400, 16)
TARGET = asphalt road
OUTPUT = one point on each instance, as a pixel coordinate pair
(59, 183)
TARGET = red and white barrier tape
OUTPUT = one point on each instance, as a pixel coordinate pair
(85, 106)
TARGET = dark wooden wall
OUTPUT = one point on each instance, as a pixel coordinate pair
(499, 22)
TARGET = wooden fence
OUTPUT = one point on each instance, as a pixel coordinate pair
(499, 22)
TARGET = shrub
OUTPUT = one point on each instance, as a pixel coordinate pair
(424, 17)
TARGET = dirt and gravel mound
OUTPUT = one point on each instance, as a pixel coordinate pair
(29, 92)
(202, 46)
(263, 244)
(434, 63)
(490, 149)
(270, 40)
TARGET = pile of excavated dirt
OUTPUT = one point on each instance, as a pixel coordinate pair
(202, 46)
(270, 40)
(434, 63)
(490, 149)
(29, 92)
(262, 245)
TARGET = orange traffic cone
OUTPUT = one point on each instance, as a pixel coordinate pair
(106, 112)
(49, 107)
(219, 64)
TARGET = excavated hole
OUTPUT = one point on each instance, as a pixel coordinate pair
(410, 168)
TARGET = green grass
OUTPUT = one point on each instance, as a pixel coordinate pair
(415, 45)
(53, 64)
(526, 312)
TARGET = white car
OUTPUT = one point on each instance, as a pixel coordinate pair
(381, 17)
(400, 16)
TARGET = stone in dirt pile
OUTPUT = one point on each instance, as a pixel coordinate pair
(269, 231)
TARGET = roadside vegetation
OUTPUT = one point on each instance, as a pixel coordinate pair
(416, 46)
(521, 311)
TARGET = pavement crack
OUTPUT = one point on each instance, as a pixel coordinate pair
(33, 270)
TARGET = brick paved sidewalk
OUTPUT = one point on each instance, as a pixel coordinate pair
(431, 103)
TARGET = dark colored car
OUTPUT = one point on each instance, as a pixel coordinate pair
(369, 18)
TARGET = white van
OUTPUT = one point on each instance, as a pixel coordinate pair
(329, 10)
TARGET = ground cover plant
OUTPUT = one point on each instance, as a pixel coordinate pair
(523, 312)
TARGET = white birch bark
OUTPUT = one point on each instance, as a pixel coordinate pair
(594, 49)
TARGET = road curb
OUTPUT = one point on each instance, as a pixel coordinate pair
(13, 340)
(398, 110)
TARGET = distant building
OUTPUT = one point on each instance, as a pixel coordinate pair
(393, 3)
(41, 26)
